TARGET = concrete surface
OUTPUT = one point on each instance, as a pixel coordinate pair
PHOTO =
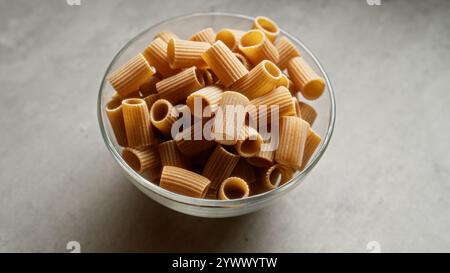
(385, 177)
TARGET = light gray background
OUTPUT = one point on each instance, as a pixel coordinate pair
(385, 176)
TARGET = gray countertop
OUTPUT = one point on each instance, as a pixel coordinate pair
(384, 178)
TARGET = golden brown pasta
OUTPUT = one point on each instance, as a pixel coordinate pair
(150, 100)
(298, 111)
(141, 160)
(249, 143)
(133, 95)
(230, 118)
(264, 158)
(115, 116)
(189, 146)
(262, 79)
(184, 182)
(233, 188)
(149, 86)
(305, 78)
(137, 123)
(209, 96)
(224, 63)
(177, 87)
(257, 48)
(276, 176)
(269, 27)
(280, 97)
(312, 142)
(286, 50)
(156, 55)
(205, 35)
(171, 156)
(309, 114)
(130, 76)
(208, 76)
(163, 115)
(243, 60)
(230, 37)
(245, 171)
(293, 134)
(182, 54)
(166, 36)
(219, 166)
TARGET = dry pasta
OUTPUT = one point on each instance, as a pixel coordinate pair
(171, 156)
(183, 54)
(156, 55)
(166, 36)
(243, 60)
(219, 166)
(312, 142)
(205, 35)
(137, 123)
(276, 176)
(293, 134)
(130, 76)
(184, 182)
(115, 116)
(264, 158)
(224, 63)
(280, 97)
(177, 87)
(245, 171)
(149, 86)
(269, 27)
(286, 50)
(189, 146)
(150, 100)
(309, 114)
(230, 37)
(298, 111)
(262, 79)
(163, 115)
(208, 76)
(305, 78)
(141, 160)
(233, 188)
(209, 96)
(249, 143)
(257, 48)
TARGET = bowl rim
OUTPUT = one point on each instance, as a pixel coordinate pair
(295, 181)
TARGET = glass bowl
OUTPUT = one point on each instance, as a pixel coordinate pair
(184, 26)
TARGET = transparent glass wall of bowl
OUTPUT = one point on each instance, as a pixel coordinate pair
(184, 27)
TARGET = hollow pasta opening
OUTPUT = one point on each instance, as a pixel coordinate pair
(249, 146)
(133, 101)
(252, 38)
(132, 160)
(199, 77)
(314, 89)
(113, 105)
(272, 69)
(267, 24)
(227, 37)
(160, 110)
(235, 189)
(275, 177)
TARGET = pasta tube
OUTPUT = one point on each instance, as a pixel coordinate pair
(130, 76)
(141, 160)
(243, 60)
(149, 86)
(209, 96)
(305, 78)
(177, 87)
(205, 35)
(162, 115)
(309, 114)
(150, 100)
(249, 143)
(189, 146)
(209, 77)
(230, 37)
(293, 134)
(184, 182)
(156, 55)
(219, 166)
(298, 112)
(171, 156)
(280, 97)
(230, 118)
(276, 176)
(269, 27)
(245, 171)
(262, 79)
(257, 48)
(224, 63)
(137, 123)
(264, 158)
(312, 142)
(233, 188)
(286, 50)
(115, 116)
(166, 36)
(182, 54)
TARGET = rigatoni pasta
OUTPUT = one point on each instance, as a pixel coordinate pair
(245, 171)
(312, 142)
(280, 97)
(249, 142)
(115, 116)
(156, 55)
(230, 37)
(309, 114)
(233, 188)
(256, 47)
(269, 27)
(166, 36)
(286, 51)
(219, 166)
(276, 176)
(205, 35)
(141, 160)
(183, 54)
(305, 78)
(149, 86)
(162, 115)
(177, 87)
(171, 156)
(209, 96)
(184, 182)
(137, 123)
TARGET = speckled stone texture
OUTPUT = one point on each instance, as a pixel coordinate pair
(384, 178)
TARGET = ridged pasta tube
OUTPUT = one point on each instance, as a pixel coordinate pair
(312, 142)
(171, 156)
(149, 86)
(156, 55)
(224, 63)
(115, 116)
(230, 37)
(209, 96)
(264, 158)
(276, 176)
(150, 100)
(177, 87)
(298, 111)
(163, 115)
(286, 50)
(249, 143)
(166, 36)
(205, 35)
(305, 78)
(266, 25)
(137, 123)
(184, 182)
(141, 160)
(309, 114)
(182, 54)
(243, 60)
(245, 171)
(233, 188)
(293, 134)
(189, 146)
(256, 47)
(219, 166)
(262, 79)
(280, 97)
(130, 76)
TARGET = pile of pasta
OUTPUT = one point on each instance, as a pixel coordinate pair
(231, 67)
